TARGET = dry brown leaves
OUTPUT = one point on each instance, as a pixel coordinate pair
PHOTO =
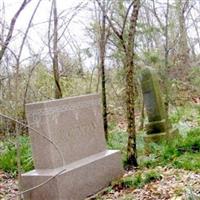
(176, 184)
(8, 186)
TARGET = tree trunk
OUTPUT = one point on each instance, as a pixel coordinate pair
(58, 91)
(130, 89)
(183, 49)
(130, 104)
(102, 48)
(165, 75)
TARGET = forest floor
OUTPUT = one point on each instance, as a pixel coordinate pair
(8, 186)
(173, 184)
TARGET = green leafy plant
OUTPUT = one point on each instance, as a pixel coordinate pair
(117, 139)
(138, 180)
(177, 152)
(177, 115)
(8, 155)
(151, 176)
(133, 181)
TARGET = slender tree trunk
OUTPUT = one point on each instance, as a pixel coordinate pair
(58, 91)
(183, 49)
(17, 126)
(102, 48)
(130, 89)
(104, 100)
(26, 90)
(166, 80)
(166, 36)
(130, 104)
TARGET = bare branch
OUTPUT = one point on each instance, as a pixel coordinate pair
(126, 16)
(12, 26)
(77, 8)
(156, 15)
(117, 33)
(27, 29)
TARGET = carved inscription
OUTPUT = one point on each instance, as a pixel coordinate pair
(37, 114)
(150, 103)
(78, 130)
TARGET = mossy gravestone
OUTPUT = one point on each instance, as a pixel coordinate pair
(158, 127)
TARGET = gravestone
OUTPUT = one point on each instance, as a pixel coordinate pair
(158, 126)
(77, 151)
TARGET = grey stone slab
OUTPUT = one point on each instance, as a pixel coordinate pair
(80, 179)
(74, 124)
(152, 95)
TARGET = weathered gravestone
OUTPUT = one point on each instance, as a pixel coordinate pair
(158, 126)
(75, 125)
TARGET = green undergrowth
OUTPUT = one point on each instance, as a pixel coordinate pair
(138, 180)
(181, 152)
(8, 155)
(185, 117)
(118, 138)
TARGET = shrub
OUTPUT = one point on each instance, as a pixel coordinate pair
(133, 181)
(138, 180)
(151, 176)
(117, 139)
(8, 156)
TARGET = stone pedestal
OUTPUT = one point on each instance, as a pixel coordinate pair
(75, 127)
(172, 133)
(159, 137)
(79, 180)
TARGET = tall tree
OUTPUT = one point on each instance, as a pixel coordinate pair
(130, 89)
(127, 44)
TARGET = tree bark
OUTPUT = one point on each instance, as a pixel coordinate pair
(183, 49)
(166, 81)
(130, 89)
(102, 52)
(58, 91)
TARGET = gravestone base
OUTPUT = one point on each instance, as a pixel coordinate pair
(158, 137)
(156, 127)
(80, 179)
